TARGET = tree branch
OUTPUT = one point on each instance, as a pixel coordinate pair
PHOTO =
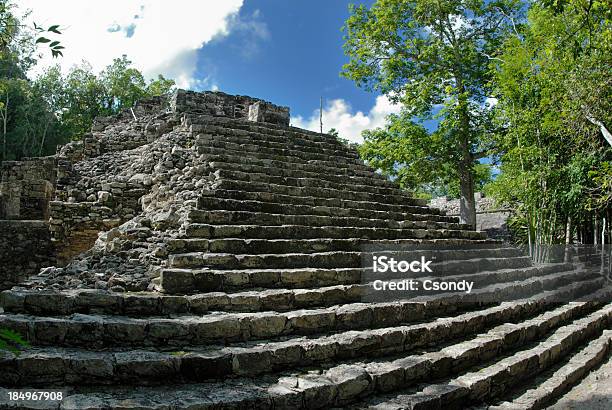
(605, 132)
(511, 21)
(491, 57)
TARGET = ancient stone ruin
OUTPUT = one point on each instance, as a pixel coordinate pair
(490, 216)
(197, 252)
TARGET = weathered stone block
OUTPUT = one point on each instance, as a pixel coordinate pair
(266, 112)
(202, 366)
(351, 381)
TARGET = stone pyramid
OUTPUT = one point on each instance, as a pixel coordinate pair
(212, 257)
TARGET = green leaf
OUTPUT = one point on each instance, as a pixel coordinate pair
(42, 40)
(54, 43)
(54, 29)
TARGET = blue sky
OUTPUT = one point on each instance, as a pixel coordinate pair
(287, 52)
(298, 61)
(290, 53)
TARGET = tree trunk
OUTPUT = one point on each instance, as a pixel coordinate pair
(530, 233)
(4, 126)
(604, 131)
(44, 137)
(609, 212)
(603, 244)
(467, 211)
(568, 238)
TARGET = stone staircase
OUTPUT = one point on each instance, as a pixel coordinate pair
(262, 300)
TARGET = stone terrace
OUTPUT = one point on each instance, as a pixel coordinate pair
(211, 256)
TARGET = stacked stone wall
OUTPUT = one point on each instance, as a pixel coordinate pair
(74, 227)
(29, 168)
(218, 104)
(490, 217)
(26, 187)
(25, 247)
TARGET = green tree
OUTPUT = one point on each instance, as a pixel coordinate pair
(554, 87)
(80, 96)
(27, 124)
(124, 84)
(428, 54)
(160, 86)
(417, 159)
(85, 98)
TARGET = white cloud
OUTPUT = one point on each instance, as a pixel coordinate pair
(338, 114)
(158, 36)
(252, 31)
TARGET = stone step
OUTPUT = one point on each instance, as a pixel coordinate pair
(262, 153)
(186, 281)
(292, 260)
(307, 182)
(227, 126)
(190, 280)
(232, 143)
(333, 259)
(96, 331)
(398, 199)
(183, 281)
(227, 159)
(325, 163)
(492, 380)
(495, 379)
(238, 245)
(198, 230)
(560, 381)
(268, 136)
(422, 214)
(223, 199)
(137, 304)
(287, 138)
(288, 299)
(225, 217)
(410, 206)
(283, 169)
(351, 381)
(44, 366)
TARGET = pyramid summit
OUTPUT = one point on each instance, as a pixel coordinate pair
(197, 252)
